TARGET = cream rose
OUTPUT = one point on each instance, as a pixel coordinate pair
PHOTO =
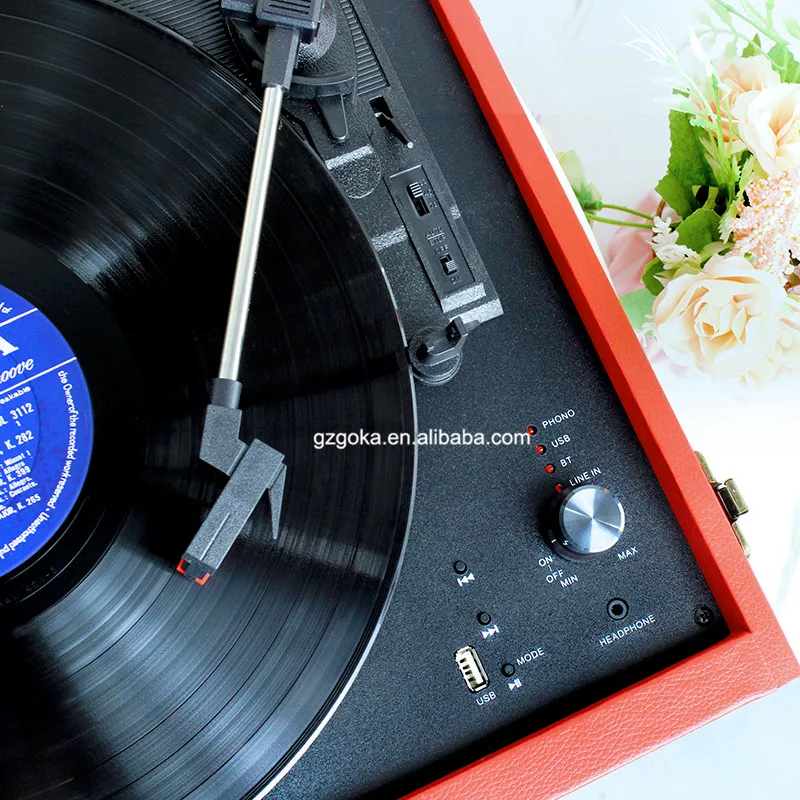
(769, 126)
(749, 74)
(729, 320)
(738, 76)
(789, 342)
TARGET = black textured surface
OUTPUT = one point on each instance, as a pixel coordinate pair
(371, 77)
(420, 221)
(364, 165)
(409, 717)
(124, 164)
(199, 21)
(360, 165)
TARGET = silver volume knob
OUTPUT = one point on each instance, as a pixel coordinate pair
(585, 522)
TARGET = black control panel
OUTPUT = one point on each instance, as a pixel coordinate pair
(507, 615)
(394, 182)
(544, 568)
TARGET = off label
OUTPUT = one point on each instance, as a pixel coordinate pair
(45, 430)
(555, 576)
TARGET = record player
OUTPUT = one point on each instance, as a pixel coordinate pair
(331, 465)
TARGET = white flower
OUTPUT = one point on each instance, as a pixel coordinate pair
(666, 247)
(730, 320)
(789, 343)
(749, 74)
(736, 77)
(769, 126)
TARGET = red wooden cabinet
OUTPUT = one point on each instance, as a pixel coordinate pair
(755, 658)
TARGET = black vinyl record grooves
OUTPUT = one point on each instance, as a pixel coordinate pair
(124, 162)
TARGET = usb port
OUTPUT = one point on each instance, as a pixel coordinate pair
(472, 670)
(418, 198)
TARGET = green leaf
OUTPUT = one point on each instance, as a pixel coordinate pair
(793, 26)
(687, 160)
(713, 249)
(746, 172)
(677, 195)
(752, 49)
(711, 200)
(588, 196)
(746, 169)
(649, 279)
(587, 193)
(638, 306)
(681, 269)
(785, 63)
(699, 229)
(721, 10)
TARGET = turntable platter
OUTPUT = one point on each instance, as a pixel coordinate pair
(124, 163)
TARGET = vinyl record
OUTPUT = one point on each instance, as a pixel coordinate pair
(124, 163)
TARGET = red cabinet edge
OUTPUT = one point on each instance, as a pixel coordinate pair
(756, 658)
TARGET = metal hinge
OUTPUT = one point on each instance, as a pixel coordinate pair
(732, 501)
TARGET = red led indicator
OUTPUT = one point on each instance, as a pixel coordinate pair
(550, 469)
(532, 431)
(541, 449)
(559, 487)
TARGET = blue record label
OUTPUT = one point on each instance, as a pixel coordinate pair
(45, 430)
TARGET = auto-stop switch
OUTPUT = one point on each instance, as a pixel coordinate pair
(448, 265)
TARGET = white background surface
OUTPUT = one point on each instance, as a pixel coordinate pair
(591, 93)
